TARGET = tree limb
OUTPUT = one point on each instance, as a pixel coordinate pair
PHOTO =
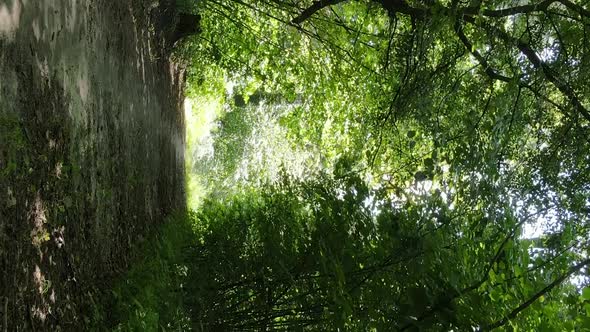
(537, 63)
(535, 297)
(391, 6)
(315, 7)
(401, 6)
(563, 87)
(493, 74)
(454, 294)
(576, 8)
(525, 9)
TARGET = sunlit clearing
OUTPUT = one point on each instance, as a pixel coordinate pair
(200, 115)
(267, 150)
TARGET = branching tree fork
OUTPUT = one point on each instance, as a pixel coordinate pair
(468, 15)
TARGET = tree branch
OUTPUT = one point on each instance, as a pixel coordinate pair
(493, 74)
(563, 87)
(454, 294)
(575, 7)
(537, 63)
(535, 297)
(315, 7)
(401, 6)
(391, 6)
(525, 9)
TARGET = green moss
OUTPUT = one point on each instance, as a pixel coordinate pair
(13, 147)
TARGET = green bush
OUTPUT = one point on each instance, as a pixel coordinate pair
(149, 297)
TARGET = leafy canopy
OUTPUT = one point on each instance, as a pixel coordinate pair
(455, 136)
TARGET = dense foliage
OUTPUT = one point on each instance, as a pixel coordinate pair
(332, 254)
(392, 165)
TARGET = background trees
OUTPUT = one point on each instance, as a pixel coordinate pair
(316, 255)
(445, 177)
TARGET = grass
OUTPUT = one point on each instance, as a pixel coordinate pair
(150, 296)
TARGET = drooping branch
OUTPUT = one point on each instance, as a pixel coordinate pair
(538, 295)
(452, 295)
(575, 7)
(401, 6)
(493, 74)
(525, 9)
(391, 6)
(315, 7)
(563, 87)
(537, 63)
